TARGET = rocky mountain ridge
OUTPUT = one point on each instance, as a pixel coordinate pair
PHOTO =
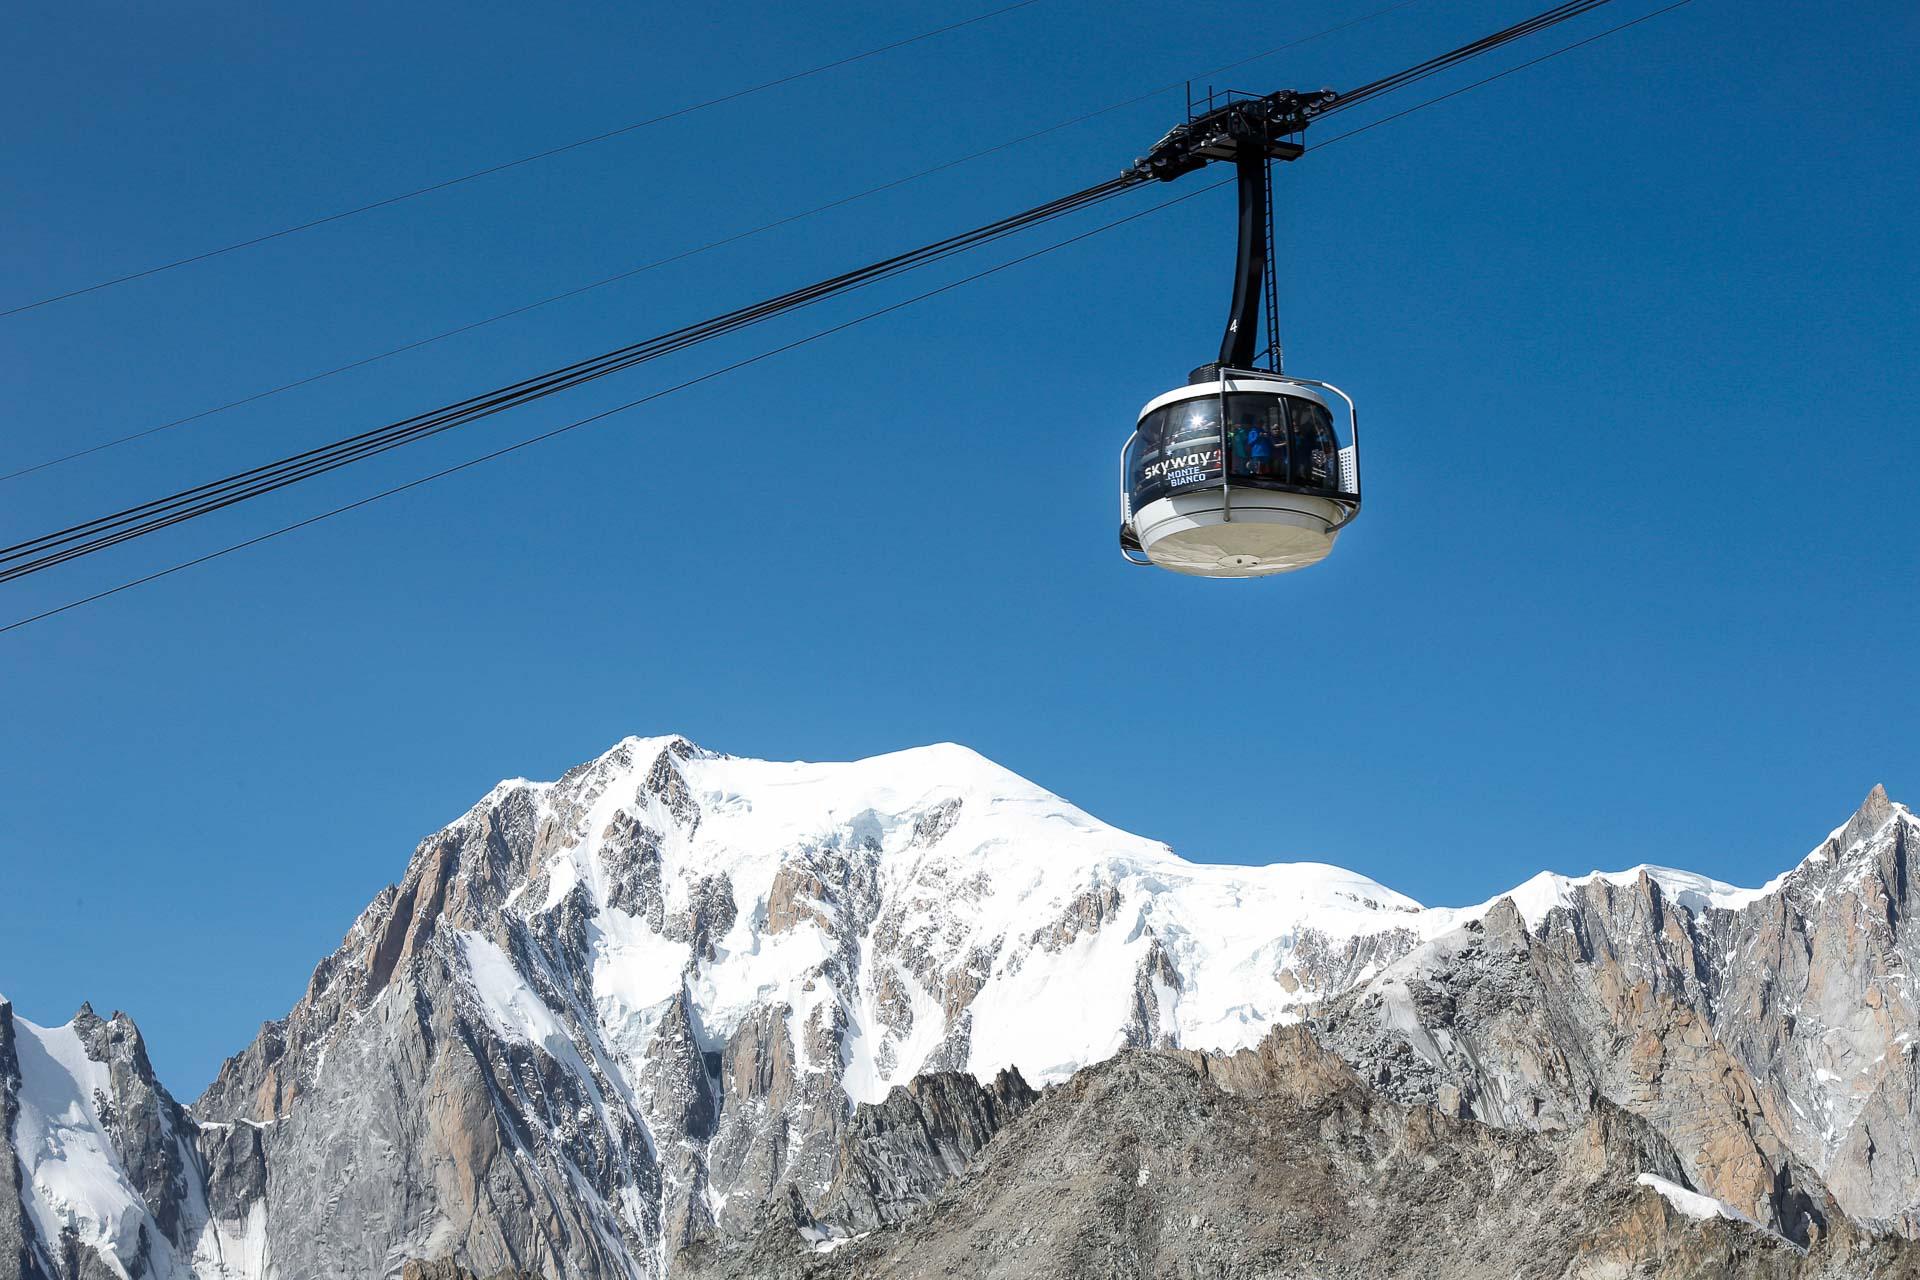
(1773, 1043)
(675, 1001)
(1280, 1161)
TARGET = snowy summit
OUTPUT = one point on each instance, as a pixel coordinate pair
(604, 1018)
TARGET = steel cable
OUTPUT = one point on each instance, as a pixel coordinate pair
(603, 414)
(97, 534)
(105, 531)
(684, 254)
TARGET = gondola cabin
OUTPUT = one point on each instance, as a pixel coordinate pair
(1240, 474)
(1243, 472)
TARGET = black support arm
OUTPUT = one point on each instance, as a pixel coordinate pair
(1250, 265)
(1249, 132)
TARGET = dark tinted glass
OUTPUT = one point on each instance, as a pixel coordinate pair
(1316, 462)
(1177, 447)
(1257, 440)
(1272, 437)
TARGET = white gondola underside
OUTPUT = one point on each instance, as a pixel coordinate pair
(1248, 534)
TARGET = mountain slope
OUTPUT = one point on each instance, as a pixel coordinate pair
(676, 997)
(648, 993)
(1769, 1033)
(1280, 1161)
(106, 1175)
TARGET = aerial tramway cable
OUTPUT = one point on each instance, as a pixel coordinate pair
(607, 413)
(62, 545)
(73, 542)
(1548, 56)
(1453, 57)
(109, 530)
(685, 254)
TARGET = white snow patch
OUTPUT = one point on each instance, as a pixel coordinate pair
(73, 1178)
(1537, 897)
(821, 1241)
(512, 1008)
(753, 969)
(1701, 1208)
(634, 968)
(1060, 1011)
(516, 1012)
(233, 1250)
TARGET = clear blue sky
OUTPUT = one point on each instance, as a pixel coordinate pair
(1634, 333)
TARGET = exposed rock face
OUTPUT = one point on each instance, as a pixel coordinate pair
(446, 1270)
(603, 1018)
(397, 1122)
(101, 1170)
(679, 1005)
(897, 1153)
(1280, 1161)
(1772, 1042)
(19, 1249)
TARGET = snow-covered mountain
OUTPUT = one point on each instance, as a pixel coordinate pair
(674, 996)
(923, 910)
(107, 1177)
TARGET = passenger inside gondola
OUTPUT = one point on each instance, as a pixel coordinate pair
(1236, 480)
(1315, 448)
(1259, 450)
(1257, 436)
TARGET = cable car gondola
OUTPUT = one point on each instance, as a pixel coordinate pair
(1243, 472)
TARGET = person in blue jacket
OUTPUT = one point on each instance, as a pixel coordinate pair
(1259, 450)
(1237, 440)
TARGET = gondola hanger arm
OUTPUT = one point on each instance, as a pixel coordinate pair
(1251, 126)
